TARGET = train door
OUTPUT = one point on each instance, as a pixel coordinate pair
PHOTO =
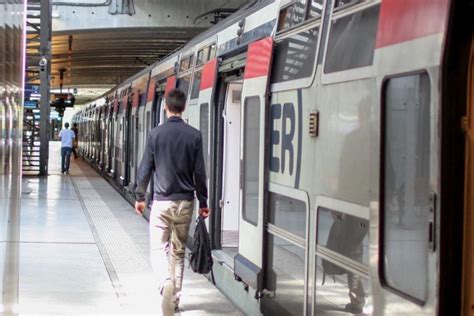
(106, 123)
(158, 112)
(126, 144)
(249, 262)
(141, 131)
(230, 201)
(118, 144)
(133, 147)
(112, 138)
(98, 136)
(158, 106)
(468, 297)
(100, 141)
(207, 76)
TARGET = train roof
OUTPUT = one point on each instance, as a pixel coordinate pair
(243, 12)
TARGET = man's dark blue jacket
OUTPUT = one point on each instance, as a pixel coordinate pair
(174, 155)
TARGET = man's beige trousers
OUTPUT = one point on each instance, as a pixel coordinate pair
(169, 226)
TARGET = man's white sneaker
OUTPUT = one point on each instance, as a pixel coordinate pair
(167, 304)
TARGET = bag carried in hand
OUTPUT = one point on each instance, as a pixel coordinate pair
(201, 258)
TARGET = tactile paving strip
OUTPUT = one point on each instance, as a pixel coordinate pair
(131, 267)
(127, 257)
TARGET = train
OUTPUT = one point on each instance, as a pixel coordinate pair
(337, 149)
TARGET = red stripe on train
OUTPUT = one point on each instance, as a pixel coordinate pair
(136, 98)
(259, 57)
(151, 91)
(404, 20)
(208, 75)
(124, 104)
(170, 84)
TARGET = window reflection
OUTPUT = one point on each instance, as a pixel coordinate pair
(351, 41)
(204, 128)
(295, 56)
(288, 213)
(183, 83)
(316, 9)
(251, 157)
(292, 14)
(196, 84)
(286, 278)
(345, 292)
(340, 3)
(344, 234)
(406, 207)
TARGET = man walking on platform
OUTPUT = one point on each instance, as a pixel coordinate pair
(174, 155)
(66, 136)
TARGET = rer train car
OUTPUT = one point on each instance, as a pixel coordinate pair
(338, 152)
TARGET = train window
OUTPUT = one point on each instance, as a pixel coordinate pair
(212, 51)
(204, 128)
(294, 56)
(202, 56)
(298, 11)
(292, 14)
(344, 234)
(288, 214)
(186, 63)
(196, 84)
(351, 41)
(405, 193)
(286, 274)
(251, 159)
(205, 54)
(284, 18)
(183, 83)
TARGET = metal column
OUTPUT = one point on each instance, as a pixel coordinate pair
(45, 76)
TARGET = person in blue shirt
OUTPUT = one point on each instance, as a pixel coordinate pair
(66, 136)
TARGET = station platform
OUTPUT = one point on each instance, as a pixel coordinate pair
(81, 249)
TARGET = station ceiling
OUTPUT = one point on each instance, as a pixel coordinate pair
(95, 61)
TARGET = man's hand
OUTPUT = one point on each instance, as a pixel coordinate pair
(204, 212)
(140, 207)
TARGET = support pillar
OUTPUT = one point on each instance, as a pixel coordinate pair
(45, 78)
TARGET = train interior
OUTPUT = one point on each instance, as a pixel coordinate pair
(230, 201)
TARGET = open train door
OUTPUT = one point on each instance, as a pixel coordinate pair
(249, 263)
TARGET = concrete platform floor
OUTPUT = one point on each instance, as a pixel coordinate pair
(82, 250)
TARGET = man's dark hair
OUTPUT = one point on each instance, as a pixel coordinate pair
(66, 125)
(74, 125)
(176, 101)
